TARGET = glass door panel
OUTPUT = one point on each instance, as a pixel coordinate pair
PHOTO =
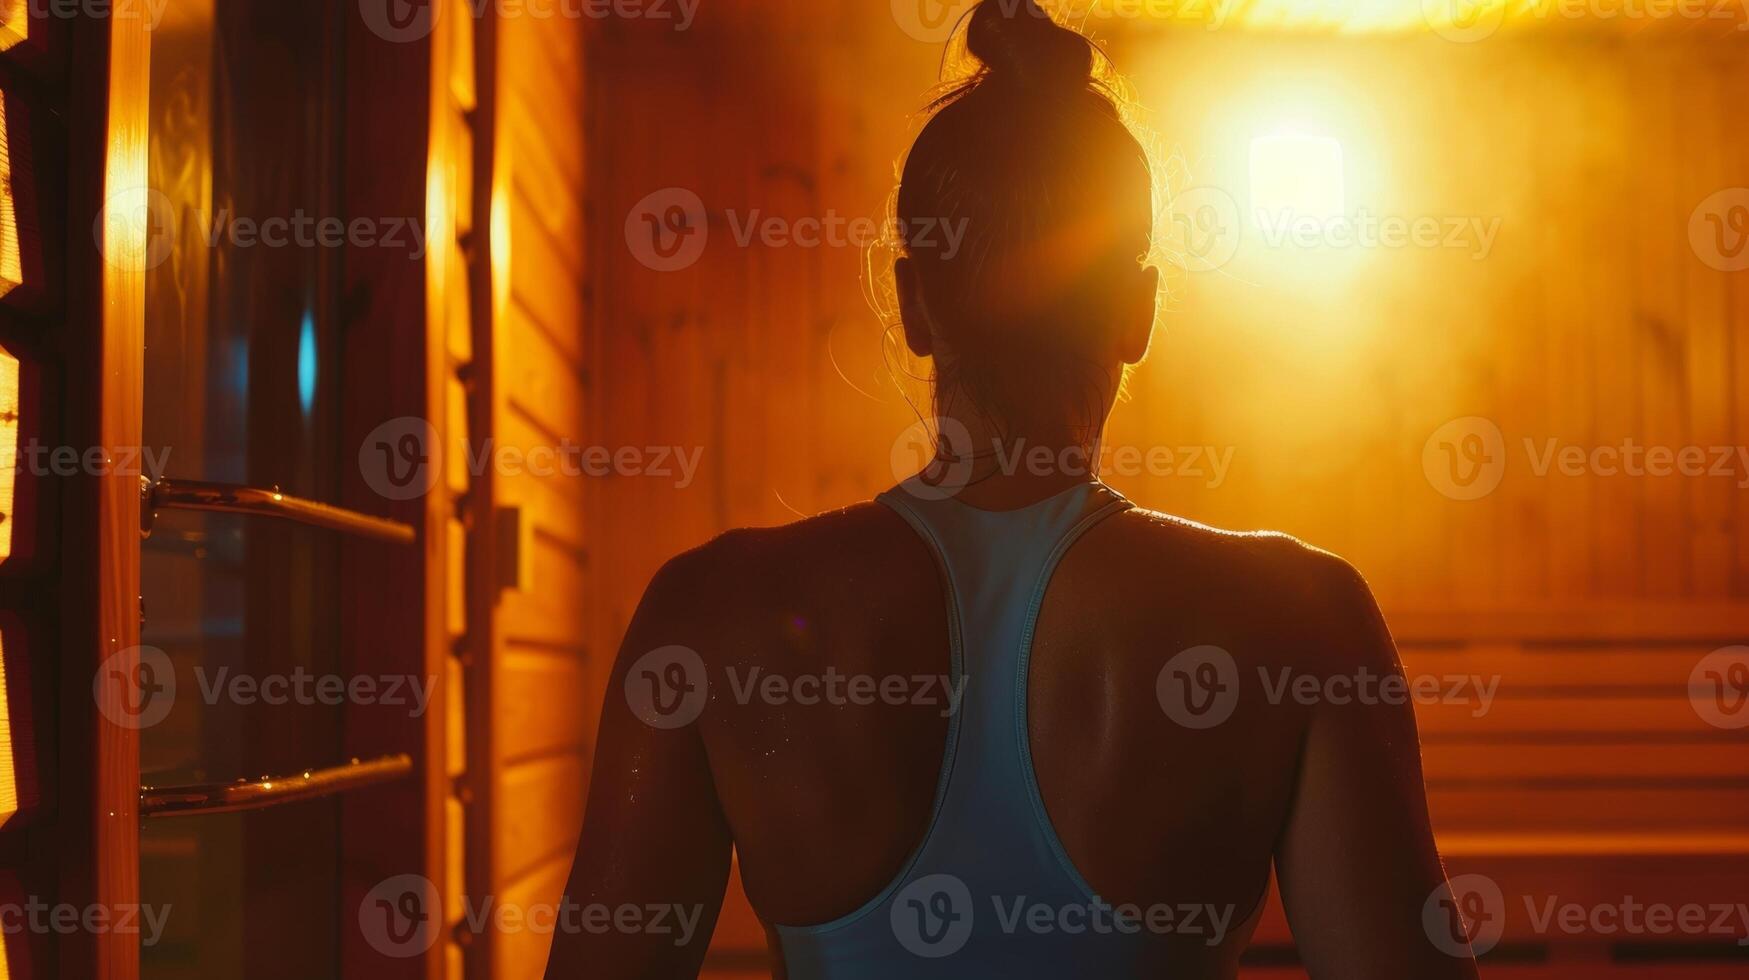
(240, 388)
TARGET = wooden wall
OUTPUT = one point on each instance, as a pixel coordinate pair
(535, 688)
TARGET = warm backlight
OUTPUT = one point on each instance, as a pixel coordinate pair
(14, 28)
(1295, 175)
(8, 770)
(11, 259)
(9, 409)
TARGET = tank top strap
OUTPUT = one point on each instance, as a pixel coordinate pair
(989, 846)
(997, 565)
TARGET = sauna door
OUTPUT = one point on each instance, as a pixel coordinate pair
(243, 669)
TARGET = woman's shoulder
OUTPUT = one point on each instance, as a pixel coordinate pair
(1306, 597)
(1266, 558)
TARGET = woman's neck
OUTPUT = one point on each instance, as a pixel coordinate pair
(984, 466)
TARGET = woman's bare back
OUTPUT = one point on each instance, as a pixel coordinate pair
(1172, 779)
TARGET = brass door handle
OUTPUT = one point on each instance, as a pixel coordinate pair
(168, 494)
(257, 794)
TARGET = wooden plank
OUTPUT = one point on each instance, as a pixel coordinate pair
(541, 379)
(459, 322)
(523, 952)
(1599, 621)
(554, 502)
(558, 149)
(1560, 716)
(553, 613)
(1519, 670)
(1621, 762)
(1664, 320)
(540, 809)
(543, 285)
(1709, 138)
(455, 889)
(1577, 810)
(96, 789)
(456, 719)
(544, 704)
(547, 79)
(552, 194)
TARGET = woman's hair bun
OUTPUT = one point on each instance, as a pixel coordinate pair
(1019, 43)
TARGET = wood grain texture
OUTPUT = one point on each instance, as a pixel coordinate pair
(99, 775)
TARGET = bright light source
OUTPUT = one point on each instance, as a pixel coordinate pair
(1294, 175)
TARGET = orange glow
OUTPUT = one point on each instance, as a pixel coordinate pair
(11, 263)
(8, 766)
(14, 30)
(9, 419)
(1458, 20)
